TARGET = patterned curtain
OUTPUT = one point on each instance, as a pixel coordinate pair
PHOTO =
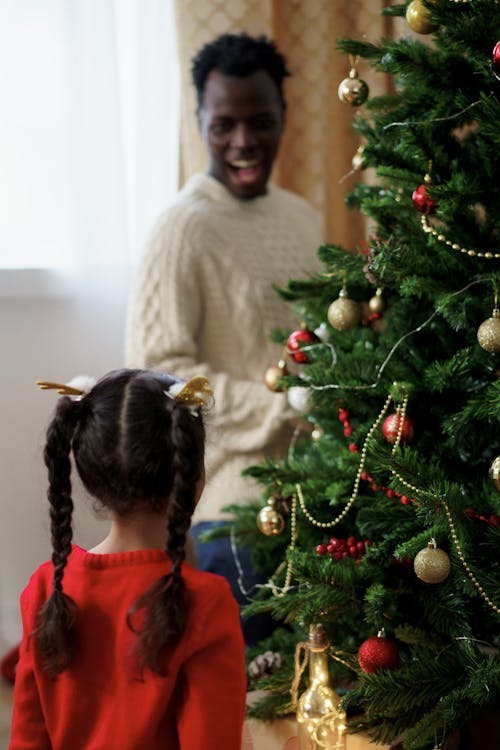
(318, 145)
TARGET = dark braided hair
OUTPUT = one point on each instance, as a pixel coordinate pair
(55, 628)
(239, 55)
(134, 447)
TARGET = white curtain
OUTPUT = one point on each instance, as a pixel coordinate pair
(88, 131)
(88, 159)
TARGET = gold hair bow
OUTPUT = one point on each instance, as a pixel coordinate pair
(77, 387)
(196, 392)
(193, 393)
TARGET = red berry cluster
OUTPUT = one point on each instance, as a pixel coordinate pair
(344, 416)
(370, 319)
(388, 491)
(492, 520)
(339, 548)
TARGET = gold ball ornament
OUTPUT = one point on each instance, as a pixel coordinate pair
(344, 313)
(273, 375)
(357, 159)
(418, 18)
(353, 90)
(270, 522)
(488, 333)
(432, 565)
(494, 473)
(377, 302)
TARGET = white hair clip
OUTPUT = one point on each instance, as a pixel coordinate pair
(194, 393)
(77, 388)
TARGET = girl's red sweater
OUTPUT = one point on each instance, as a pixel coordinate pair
(100, 702)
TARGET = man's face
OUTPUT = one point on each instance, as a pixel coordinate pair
(241, 121)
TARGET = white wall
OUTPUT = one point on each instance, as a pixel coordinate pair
(51, 328)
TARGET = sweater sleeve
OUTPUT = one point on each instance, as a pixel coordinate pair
(162, 330)
(28, 730)
(212, 708)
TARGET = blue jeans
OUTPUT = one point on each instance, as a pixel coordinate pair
(216, 556)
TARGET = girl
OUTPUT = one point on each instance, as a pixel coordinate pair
(127, 646)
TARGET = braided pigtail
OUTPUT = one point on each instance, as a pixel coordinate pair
(164, 602)
(54, 632)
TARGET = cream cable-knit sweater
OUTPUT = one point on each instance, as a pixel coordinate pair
(204, 304)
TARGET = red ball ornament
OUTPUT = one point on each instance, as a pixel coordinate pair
(390, 429)
(378, 652)
(422, 200)
(300, 338)
(495, 59)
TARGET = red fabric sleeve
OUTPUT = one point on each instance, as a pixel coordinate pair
(212, 709)
(28, 725)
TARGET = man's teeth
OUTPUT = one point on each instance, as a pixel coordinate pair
(242, 164)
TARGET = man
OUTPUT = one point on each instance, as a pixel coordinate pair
(204, 302)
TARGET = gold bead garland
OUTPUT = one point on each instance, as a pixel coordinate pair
(465, 565)
(429, 229)
(456, 542)
(364, 450)
(282, 591)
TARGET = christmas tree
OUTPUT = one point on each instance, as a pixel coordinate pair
(382, 522)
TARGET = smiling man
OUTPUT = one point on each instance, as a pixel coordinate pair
(204, 301)
(241, 121)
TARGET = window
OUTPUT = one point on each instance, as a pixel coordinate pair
(89, 129)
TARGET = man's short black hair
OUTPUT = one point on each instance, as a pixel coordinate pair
(239, 55)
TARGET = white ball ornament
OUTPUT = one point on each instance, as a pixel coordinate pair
(299, 398)
(322, 332)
